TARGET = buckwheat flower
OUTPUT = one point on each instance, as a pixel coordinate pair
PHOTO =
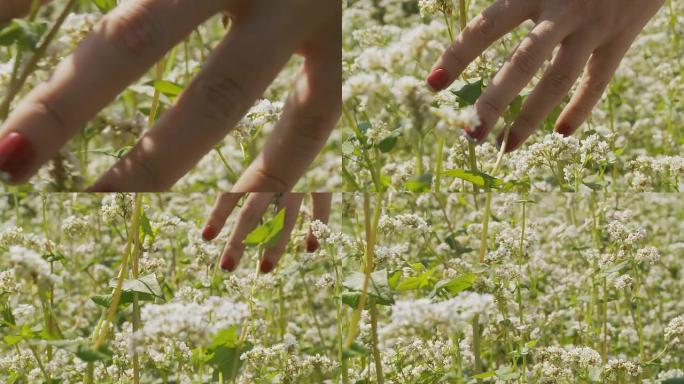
(8, 282)
(670, 374)
(402, 222)
(429, 7)
(674, 332)
(24, 314)
(455, 120)
(28, 264)
(647, 255)
(326, 281)
(75, 226)
(616, 367)
(624, 281)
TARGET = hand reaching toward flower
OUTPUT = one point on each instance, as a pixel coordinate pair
(595, 34)
(250, 214)
(137, 34)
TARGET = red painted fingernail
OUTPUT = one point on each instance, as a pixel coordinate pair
(312, 243)
(266, 266)
(208, 233)
(227, 264)
(475, 133)
(511, 144)
(438, 79)
(16, 153)
(564, 129)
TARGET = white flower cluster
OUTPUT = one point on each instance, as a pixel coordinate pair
(616, 367)
(29, 265)
(402, 222)
(674, 332)
(74, 226)
(559, 364)
(189, 322)
(429, 7)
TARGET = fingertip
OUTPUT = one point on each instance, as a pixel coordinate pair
(228, 264)
(475, 134)
(16, 155)
(438, 79)
(266, 266)
(565, 129)
(209, 232)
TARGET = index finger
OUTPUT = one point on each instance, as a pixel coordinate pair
(481, 32)
(125, 43)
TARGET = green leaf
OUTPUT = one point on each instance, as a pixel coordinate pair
(469, 93)
(145, 225)
(355, 350)
(484, 375)
(415, 282)
(457, 285)
(387, 144)
(678, 380)
(12, 339)
(226, 361)
(105, 5)
(378, 287)
(166, 87)
(420, 184)
(225, 338)
(266, 235)
(147, 285)
(25, 33)
(83, 350)
(477, 178)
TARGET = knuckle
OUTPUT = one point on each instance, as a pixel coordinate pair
(139, 164)
(488, 109)
(453, 56)
(526, 121)
(221, 97)
(525, 61)
(268, 180)
(560, 82)
(133, 32)
(53, 113)
(484, 27)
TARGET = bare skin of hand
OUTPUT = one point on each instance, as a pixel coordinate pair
(250, 215)
(592, 36)
(137, 34)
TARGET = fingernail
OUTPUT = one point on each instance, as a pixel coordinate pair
(16, 153)
(474, 133)
(438, 79)
(511, 144)
(564, 129)
(266, 266)
(227, 264)
(208, 233)
(312, 243)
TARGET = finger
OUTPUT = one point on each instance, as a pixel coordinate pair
(482, 31)
(567, 66)
(16, 8)
(321, 211)
(127, 41)
(249, 218)
(600, 70)
(292, 203)
(224, 205)
(518, 70)
(310, 114)
(237, 73)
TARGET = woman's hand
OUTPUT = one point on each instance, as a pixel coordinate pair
(591, 33)
(136, 35)
(250, 214)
